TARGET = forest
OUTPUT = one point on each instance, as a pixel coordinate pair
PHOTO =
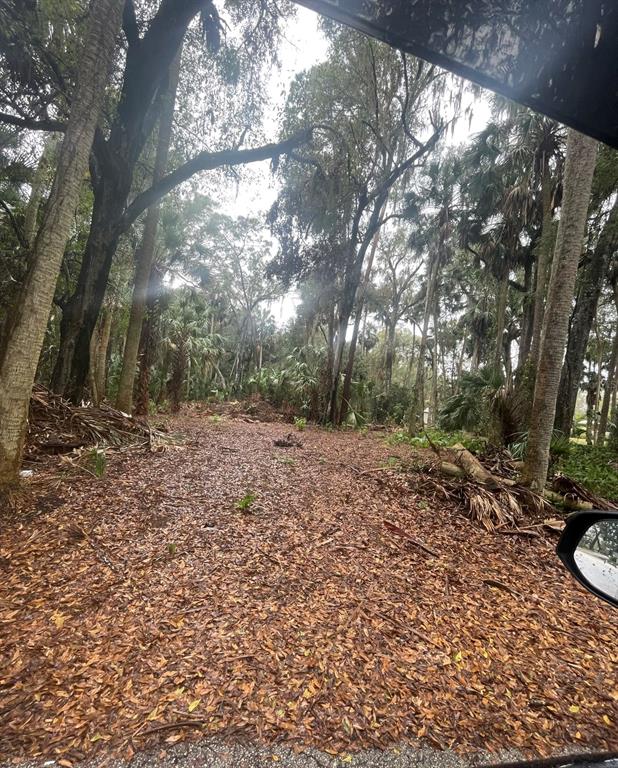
(281, 322)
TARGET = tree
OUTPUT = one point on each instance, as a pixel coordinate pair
(366, 102)
(579, 169)
(144, 255)
(592, 272)
(23, 338)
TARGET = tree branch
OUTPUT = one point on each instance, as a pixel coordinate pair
(31, 124)
(207, 161)
(129, 23)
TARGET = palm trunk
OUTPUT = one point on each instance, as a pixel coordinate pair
(590, 283)
(147, 343)
(417, 407)
(24, 338)
(36, 194)
(527, 317)
(610, 385)
(434, 366)
(545, 247)
(579, 169)
(503, 295)
(100, 350)
(144, 255)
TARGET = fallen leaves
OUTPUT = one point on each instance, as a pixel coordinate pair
(310, 619)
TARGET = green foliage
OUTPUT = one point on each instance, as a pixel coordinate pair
(595, 468)
(468, 409)
(96, 462)
(560, 445)
(300, 422)
(441, 439)
(392, 406)
(246, 502)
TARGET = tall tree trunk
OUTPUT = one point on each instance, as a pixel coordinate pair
(148, 60)
(579, 169)
(589, 288)
(36, 194)
(525, 340)
(389, 358)
(501, 302)
(347, 381)
(24, 338)
(434, 365)
(148, 341)
(610, 385)
(544, 259)
(98, 355)
(144, 255)
(417, 406)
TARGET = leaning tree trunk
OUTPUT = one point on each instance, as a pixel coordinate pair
(589, 288)
(144, 256)
(579, 169)
(24, 338)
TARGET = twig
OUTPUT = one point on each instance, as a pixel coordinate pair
(400, 532)
(500, 585)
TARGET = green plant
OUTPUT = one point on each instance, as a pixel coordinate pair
(246, 502)
(560, 445)
(594, 467)
(300, 422)
(216, 419)
(96, 462)
(468, 407)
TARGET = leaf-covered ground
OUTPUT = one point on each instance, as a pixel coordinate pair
(150, 607)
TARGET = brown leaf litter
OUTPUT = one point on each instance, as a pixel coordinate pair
(351, 608)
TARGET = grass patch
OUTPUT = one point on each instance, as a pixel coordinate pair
(595, 468)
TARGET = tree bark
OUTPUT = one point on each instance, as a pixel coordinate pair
(389, 358)
(36, 194)
(148, 341)
(144, 256)
(24, 338)
(417, 407)
(610, 385)
(347, 381)
(589, 289)
(544, 260)
(98, 356)
(579, 169)
(502, 300)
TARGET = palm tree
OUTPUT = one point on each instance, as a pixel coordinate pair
(579, 169)
(23, 340)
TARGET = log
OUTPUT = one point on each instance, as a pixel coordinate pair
(565, 501)
(473, 467)
(448, 468)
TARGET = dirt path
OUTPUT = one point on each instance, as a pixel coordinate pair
(146, 608)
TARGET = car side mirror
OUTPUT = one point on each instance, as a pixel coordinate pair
(588, 548)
